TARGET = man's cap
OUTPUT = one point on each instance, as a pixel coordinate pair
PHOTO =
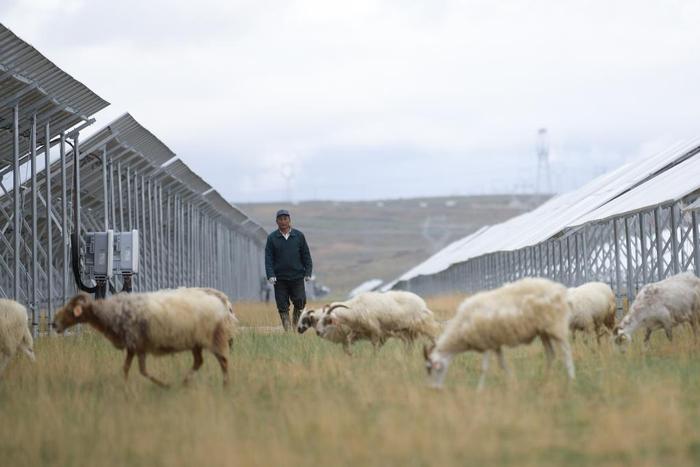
(282, 212)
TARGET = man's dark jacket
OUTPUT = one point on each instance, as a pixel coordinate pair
(287, 259)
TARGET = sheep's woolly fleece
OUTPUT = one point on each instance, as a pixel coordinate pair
(14, 332)
(509, 316)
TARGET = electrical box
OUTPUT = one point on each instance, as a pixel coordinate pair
(126, 252)
(99, 254)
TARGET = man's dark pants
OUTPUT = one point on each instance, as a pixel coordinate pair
(286, 290)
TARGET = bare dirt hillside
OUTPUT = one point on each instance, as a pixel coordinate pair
(352, 242)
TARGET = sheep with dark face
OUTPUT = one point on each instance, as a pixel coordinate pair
(337, 333)
(158, 323)
(375, 317)
(14, 332)
(662, 305)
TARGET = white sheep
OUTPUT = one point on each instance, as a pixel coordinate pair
(14, 332)
(592, 309)
(158, 323)
(662, 305)
(376, 317)
(509, 316)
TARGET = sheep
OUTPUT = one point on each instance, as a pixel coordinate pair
(592, 309)
(376, 317)
(664, 304)
(511, 315)
(338, 334)
(158, 323)
(14, 332)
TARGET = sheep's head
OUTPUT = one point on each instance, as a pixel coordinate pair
(308, 319)
(436, 366)
(71, 313)
(621, 337)
(327, 318)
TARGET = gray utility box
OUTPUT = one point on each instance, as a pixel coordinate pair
(99, 256)
(126, 252)
(109, 253)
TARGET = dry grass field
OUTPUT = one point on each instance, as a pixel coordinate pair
(298, 400)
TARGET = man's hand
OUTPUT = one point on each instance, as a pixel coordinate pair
(307, 278)
(272, 280)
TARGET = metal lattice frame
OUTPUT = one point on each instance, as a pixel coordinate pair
(626, 252)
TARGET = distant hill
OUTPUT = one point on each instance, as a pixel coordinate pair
(352, 242)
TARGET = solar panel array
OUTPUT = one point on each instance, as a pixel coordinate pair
(634, 225)
(129, 179)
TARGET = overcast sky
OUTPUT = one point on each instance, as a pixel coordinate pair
(369, 99)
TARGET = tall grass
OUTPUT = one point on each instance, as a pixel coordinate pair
(298, 400)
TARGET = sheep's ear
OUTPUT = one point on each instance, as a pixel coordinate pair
(77, 311)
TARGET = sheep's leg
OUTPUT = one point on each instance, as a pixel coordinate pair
(568, 358)
(4, 360)
(548, 351)
(142, 369)
(29, 353)
(647, 336)
(127, 363)
(377, 342)
(694, 327)
(669, 332)
(484, 369)
(223, 362)
(502, 363)
(198, 360)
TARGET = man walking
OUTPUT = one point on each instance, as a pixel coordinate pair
(287, 265)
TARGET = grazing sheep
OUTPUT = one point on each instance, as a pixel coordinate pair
(338, 333)
(159, 323)
(664, 304)
(511, 315)
(376, 317)
(14, 332)
(592, 309)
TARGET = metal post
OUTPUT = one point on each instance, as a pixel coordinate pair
(168, 244)
(104, 188)
(112, 204)
(49, 230)
(161, 259)
(128, 197)
(151, 246)
(696, 243)
(659, 244)
(134, 221)
(119, 190)
(35, 237)
(618, 273)
(146, 270)
(674, 239)
(17, 189)
(630, 267)
(64, 218)
(642, 246)
(586, 262)
(76, 188)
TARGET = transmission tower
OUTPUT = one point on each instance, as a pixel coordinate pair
(544, 180)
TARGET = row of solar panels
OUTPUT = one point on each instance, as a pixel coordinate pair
(30, 84)
(662, 178)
